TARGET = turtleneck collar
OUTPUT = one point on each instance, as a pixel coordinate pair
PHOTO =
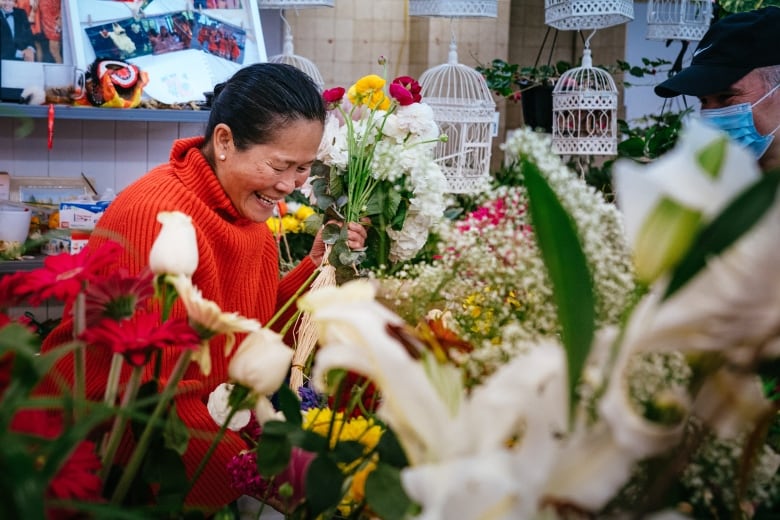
(191, 166)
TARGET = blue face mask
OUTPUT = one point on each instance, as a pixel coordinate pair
(737, 122)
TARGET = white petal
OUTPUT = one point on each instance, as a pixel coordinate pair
(175, 251)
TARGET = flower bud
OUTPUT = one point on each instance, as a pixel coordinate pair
(664, 238)
(261, 362)
(175, 251)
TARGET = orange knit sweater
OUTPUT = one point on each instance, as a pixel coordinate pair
(238, 269)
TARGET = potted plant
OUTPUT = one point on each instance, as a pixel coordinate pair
(532, 86)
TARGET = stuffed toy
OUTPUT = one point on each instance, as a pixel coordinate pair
(113, 84)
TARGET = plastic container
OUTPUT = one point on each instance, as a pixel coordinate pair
(14, 222)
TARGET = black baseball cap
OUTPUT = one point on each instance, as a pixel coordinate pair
(732, 47)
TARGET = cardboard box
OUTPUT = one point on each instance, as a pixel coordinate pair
(70, 241)
(81, 215)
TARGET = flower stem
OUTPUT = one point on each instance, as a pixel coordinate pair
(305, 285)
(143, 443)
(79, 356)
(112, 384)
(118, 429)
(212, 447)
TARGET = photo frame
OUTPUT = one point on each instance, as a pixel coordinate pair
(51, 41)
(186, 67)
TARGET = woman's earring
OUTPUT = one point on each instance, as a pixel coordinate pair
(222, 157)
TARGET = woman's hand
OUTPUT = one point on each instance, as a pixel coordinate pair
(356, 240)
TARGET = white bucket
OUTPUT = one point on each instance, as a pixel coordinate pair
(14, 222)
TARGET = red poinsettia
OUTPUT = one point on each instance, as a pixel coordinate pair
(119, 296)
(137, 338)
(63, 276)
(406, 90)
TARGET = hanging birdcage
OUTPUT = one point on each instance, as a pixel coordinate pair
(454, 8)
(585, 103)
(464, 109)
(678, 19)
(293, 4)
(288, 55)
(576, 15)
(290, 58)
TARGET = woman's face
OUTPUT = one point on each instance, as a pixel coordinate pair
(257, 178)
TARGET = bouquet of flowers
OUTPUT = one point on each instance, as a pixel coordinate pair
(294, 224)
(378, 164)
(67, 452)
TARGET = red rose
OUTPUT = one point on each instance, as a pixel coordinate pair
(334, 95)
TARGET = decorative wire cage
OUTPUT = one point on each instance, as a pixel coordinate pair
(464, 109)
(678, 19)
(290, 58)
(293, 4)
(585, 103)
(575, 15)
(454, 8)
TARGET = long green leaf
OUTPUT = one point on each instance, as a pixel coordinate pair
(567, 267)
(734, 221)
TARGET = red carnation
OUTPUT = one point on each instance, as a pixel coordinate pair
(137, 338)
(406, 90)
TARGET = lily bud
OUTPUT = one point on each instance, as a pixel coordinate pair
(175, 251)
(665, 236)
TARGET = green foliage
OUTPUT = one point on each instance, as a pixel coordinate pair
(567, 266)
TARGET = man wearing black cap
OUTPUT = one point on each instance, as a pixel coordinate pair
(735, 73)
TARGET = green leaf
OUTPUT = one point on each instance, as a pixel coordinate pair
(385, 494)
(165, 469)
(290, 405)
(310, 441)
(175, 432)
(323, 485)
(567, 267)
(273, 454)
(331, 233)
(734, 221)
(348, 451)
(390, 450)
(632, 147)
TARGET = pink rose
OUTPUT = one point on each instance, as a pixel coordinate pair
(405, 90)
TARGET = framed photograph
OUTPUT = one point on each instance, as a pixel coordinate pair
(185, 46)
(40, 38)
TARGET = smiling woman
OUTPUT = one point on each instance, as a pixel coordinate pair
(263, 133)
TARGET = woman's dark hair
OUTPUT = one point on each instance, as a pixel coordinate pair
(261, 97)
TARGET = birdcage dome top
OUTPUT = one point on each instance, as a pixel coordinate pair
(293, 4)
(575, 15)
(678, 19)
(585, 78)
(301, 63)
(455, 82)
(454, 8)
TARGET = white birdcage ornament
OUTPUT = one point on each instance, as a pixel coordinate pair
(576, 15)
(464, 109)
(585, 104)
(288, 55)
(678, 19)
(454, 8)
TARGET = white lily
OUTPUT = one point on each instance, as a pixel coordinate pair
(175, 250)
(665, 202)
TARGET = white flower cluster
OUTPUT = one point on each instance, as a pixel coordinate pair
(490, 274)
(403, 144)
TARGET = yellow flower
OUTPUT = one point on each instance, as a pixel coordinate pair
(290, 224)
(369, 91)
(274, 224)
(304, 212)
